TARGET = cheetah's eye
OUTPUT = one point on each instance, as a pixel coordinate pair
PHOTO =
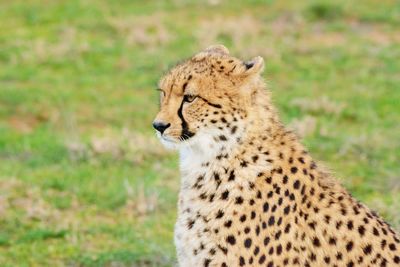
(189, 98)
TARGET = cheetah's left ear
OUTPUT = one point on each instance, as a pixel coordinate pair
(220, 49)
(214, 49)
(254, 66)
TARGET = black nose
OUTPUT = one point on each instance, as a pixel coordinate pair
(160, 126)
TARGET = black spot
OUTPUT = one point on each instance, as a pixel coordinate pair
(367, 249)
(312, 225)
(262, 259)
(243, 218)
(239, 200)
(349, 246)
(286, 210)
(241, 261)
(313, 165)
(228, 224)
(254, 158)
(207, 262)
(212, 251)
(274, 207)
(287, 228)
(247, 243)
(220, 214)
(253, 215)
(296, 184)
(361, 230)
(251, 185)
(233, 129)
(350, 225)
(225, 195)
(190, 224)
(383, 243)
(279, 249)
(339, 256)
(265, 207)
(316, 242)
(278, 234)
(375, 231)
(231, 176)
(231, 239)
(271, 220)
(293, 170)
(256, 250)
(266, 240)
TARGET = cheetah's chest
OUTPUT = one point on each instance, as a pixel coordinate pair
(211, 196)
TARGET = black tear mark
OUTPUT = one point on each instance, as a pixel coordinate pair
(186, 134)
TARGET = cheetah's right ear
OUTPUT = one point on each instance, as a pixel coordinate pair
(254, 66)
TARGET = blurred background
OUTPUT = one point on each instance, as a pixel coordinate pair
(83, 180)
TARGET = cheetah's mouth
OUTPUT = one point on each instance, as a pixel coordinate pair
(168, 142)
(168, 139)
(175, 143)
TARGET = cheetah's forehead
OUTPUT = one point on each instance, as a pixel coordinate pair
(209, 68)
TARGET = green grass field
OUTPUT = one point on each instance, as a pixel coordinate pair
(83, 180)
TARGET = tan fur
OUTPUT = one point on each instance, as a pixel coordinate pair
(251, 195)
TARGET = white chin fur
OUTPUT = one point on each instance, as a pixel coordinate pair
(200, 145)
(167, 143)
(172, 144)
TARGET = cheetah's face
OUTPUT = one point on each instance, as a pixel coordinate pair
(203, 96)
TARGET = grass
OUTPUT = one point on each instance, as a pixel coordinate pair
(84, 182)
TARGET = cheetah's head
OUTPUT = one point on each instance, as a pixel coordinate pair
(206, 97)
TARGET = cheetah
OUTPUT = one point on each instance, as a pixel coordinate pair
(250, 193)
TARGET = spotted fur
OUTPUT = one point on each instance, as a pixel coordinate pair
(251, 195)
